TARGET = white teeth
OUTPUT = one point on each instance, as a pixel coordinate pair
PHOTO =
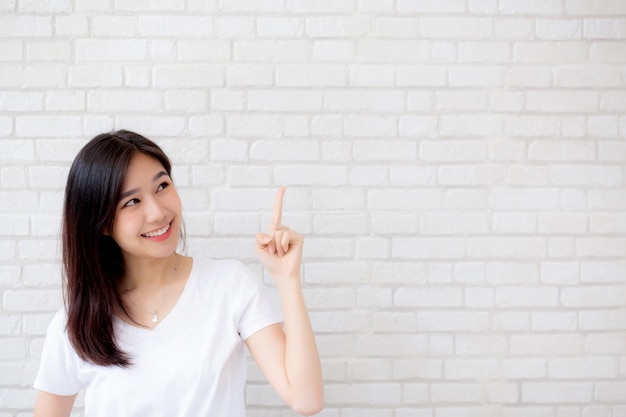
(158, 232)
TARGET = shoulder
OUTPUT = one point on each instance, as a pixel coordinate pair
(58, 324)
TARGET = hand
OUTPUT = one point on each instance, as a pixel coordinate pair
(280, 251)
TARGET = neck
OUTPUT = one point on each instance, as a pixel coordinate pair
(153, 273)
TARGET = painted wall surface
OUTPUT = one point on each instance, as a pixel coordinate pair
(456, 166)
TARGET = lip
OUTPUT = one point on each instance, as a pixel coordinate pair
(162, 237)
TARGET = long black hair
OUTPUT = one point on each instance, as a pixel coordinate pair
(92, 261)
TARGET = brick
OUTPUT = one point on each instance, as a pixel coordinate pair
(417, 126)
(599, 28)
(474, 76)
(522, 76)
(474, 175)
(310, 75)
(563, 223)
(602, 271)
(16, 150)
(547, 52)
(604, 343)
(600, 247)
(114, 26)
(419, 7)
(524, 199)
(342, 224)
(531, 7)
(456, 27)
(369, 175)
(512, 322)
(508, 273)
(466, 199)
(285, 150)
(513, 297)
(421, 76)
(528, 175)
(371, 76)
(550, 150)
(452, 150)
(558, 29)
(546, 344)
(408, 176)
(374, 298)
(484, 52)
(556, 392)
(481, 345)
(433, 297)
(454, 224)
(95, 76)
(365, 101)
(514, 28)
(391, 345)
(461, 100)
(394, 322)
(582, 368)
(475, 125)
(427, 248)
(482, 6)
(284, 101)
(560, 273)
(329, 298)
(337, 26)
(343, 199)
(452, 321)
(563, 101)
(26, 25)
(396, 27)
(593, 296)
(498, 393)
(340, 272)
(456, 392)
(253, 125)
(332, 322)
(392, 51)
(384, 150)
(188, 76)
(554, 322)
(130, 101)
(110, 50)
(581, 7)
(525, 368)
(470, 369)
(367, 370)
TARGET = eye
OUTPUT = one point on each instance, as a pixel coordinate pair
(163, 186)
(131, 202)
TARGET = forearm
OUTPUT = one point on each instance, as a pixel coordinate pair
(302, 363)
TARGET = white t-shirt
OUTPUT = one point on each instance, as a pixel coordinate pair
(191, 365)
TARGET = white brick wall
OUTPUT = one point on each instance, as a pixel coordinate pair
(457, 167)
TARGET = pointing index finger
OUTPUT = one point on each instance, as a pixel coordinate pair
(278, 206)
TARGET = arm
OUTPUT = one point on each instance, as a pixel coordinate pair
(288, 359)
(52, 405)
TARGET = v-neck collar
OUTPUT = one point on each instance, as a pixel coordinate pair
(162, 326)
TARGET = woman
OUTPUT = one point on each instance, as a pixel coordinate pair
(149, 332)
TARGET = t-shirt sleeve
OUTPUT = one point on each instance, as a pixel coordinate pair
(58, 369)
(259, 305)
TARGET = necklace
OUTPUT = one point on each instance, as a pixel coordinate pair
(155, 313)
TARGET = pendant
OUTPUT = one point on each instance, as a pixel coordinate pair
(155, 317)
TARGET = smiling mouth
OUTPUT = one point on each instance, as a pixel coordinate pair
(159, 232)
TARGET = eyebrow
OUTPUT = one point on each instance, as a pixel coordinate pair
(134, 190)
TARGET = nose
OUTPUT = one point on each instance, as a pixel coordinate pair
(154, 210)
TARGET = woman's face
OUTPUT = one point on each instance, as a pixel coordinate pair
(148, 215)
